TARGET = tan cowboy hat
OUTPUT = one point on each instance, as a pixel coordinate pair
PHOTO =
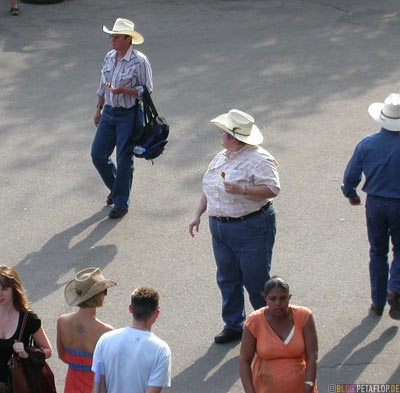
(240, 125)
(387, 114)
(125, 27)
(86, 284)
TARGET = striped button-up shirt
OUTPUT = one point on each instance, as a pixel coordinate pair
(133, 70)
(251, 166)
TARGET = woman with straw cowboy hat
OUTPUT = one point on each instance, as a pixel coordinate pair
(78, 332)
(378, 157)
(119, 114)
(238, 189)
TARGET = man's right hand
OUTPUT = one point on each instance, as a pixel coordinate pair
(97, 117)
(355, 201)
(194, 227)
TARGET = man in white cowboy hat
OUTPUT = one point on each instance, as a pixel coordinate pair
(378, 157)
(132, 358)
(238, 188)
(119, 113)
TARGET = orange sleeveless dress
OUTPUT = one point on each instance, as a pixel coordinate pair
(278, 367)
(80, 378)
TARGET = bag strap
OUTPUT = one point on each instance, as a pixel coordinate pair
(149, 102)
(21, 332)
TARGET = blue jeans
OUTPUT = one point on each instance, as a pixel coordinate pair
(115, 130)
(383, 223)
(243, 252)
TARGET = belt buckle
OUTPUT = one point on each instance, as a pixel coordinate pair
(219, 219)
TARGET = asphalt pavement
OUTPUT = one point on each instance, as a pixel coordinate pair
(306, 70)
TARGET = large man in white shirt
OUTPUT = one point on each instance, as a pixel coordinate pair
(238, 188)
(132, 359)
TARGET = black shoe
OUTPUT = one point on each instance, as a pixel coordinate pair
(227, 335)
(109, 199)
(117, 213)
(14, 11)
(377, 310)
(393, 299)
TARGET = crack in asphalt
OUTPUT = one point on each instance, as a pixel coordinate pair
(335, 7)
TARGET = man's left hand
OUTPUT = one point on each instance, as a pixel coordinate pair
(118, 90)
(355, 201)
(233, 188)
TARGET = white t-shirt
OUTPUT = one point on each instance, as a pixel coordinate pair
(132, 359)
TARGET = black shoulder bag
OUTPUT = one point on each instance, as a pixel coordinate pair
(149, 143)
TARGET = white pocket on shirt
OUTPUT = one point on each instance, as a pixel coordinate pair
(106, 71)
(126, 78)
(235, 176)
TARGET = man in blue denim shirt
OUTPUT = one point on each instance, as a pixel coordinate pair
(378, 157)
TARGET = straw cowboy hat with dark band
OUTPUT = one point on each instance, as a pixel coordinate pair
(86, 284)
(125, 27)
(240, 125)
(387, 114)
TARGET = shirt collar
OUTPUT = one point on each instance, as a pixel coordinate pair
(127, 56)
(233, 154)
(128, 53)
(384, 130)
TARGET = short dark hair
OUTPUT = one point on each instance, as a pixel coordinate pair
(275, 282)
(144, 302)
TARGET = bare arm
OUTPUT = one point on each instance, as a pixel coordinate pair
(311, 344)
(60, 345)
(194, 225)
(153, 389)
(102, 385)
(258, 192)
(43, 342)
(130, 91)
(97, 115)
(247, 352)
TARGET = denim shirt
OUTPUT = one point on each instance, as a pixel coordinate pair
(378, 157)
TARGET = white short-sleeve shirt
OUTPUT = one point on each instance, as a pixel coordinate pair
(250, 166)
(132, 359)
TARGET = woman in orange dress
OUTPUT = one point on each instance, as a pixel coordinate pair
(282, 341)
(78, 332)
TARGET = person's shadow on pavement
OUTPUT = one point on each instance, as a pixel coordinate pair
(395, 378)
(343, 364)
(195, 377)
(60, 255)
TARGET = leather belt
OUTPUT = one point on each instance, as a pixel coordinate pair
(233, 219)
(118, 108)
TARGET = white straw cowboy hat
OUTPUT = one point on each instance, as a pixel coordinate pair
(387, 114)
(86, 284)
(240, 125)
(125, 27)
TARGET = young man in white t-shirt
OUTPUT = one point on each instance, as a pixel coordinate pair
(134, 360)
